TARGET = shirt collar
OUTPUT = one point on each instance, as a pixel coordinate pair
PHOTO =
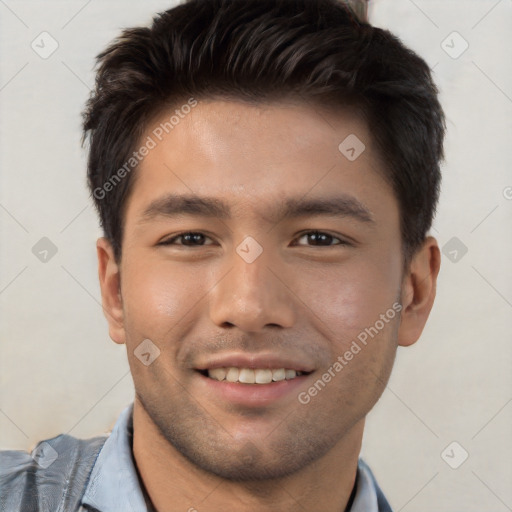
(366, 493)
(115, 486)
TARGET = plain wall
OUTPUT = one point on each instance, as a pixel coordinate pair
(60, 372)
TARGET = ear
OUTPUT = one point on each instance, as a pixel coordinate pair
(419, 291)
(110, 284)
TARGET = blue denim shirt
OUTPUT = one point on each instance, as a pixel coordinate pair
(114, 484)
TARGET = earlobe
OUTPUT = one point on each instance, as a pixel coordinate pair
(419, 291)
(109, 276)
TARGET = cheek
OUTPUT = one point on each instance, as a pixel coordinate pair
(157, 297)
(349, 298)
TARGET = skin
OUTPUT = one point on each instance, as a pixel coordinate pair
(300, 298)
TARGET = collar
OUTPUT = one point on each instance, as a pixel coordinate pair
(366, 494)
(114, 484)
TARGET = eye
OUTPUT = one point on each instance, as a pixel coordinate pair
(197, 239)
(189, 239)
(321, 239)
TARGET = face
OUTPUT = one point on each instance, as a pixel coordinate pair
(252, 242)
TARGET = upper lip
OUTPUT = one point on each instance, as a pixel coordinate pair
(254, 361)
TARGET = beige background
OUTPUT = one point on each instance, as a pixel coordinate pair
(61, 373)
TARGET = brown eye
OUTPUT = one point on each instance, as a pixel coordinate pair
(190, 239)
(321, 239)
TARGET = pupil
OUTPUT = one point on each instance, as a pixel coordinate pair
(319, 237)
(193, 238)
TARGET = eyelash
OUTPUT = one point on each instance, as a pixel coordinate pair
(171, 241)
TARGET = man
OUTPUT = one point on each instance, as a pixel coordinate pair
(266, 173)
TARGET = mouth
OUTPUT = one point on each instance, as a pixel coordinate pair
(258, 376)
(252, 380)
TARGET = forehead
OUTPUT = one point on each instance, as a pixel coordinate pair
(214, 129)
(250, 153)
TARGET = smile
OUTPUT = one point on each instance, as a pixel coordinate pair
(252, 375)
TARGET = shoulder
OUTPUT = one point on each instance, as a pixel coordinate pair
(55, 472)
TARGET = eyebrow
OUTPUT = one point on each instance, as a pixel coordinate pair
(173, 205)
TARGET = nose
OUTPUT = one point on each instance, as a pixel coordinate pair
(252, 296)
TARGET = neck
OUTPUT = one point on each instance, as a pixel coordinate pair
(174, 484)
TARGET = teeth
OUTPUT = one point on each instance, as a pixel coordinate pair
(278, 375)
(252, 376)
(231, 376)
(290, 374)
(263, 376)
(218, 373)
(246, 376)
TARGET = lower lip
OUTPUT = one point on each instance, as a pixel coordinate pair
(252, 395)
